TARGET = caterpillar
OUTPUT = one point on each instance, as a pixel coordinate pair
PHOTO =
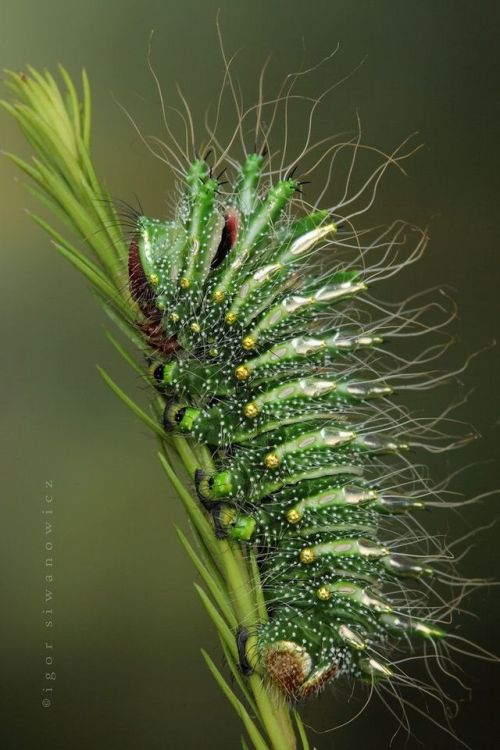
(249, 302)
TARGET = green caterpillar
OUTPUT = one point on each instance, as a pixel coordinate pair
(260, 359)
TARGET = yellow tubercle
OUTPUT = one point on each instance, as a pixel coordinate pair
(242, 372)
(251, 410)
(248, 343)
(307, 555)
(272, 461)
(293, 515)
(323, 594)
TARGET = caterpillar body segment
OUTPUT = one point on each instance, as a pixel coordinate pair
(311, 453)
(240, 421)
(301, 308)
(205, 229)
(272, 276)
(251, 236)
(170, 251)
(270, 366)
(236, 482)
(294, 359)
(161, 248)
(301, 355)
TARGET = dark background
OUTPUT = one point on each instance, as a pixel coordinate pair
(128, 626)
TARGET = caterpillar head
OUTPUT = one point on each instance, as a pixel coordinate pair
(290, 666)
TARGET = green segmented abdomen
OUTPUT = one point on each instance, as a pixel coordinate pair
(252, 235)
(258, 290)
(278, 378)
(299, 355)
(347, 496)
(205, 227)
(240, 421)
(161, 248)
(296, 308)
(296, 457)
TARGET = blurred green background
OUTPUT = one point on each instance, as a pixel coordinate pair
(127, 624)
